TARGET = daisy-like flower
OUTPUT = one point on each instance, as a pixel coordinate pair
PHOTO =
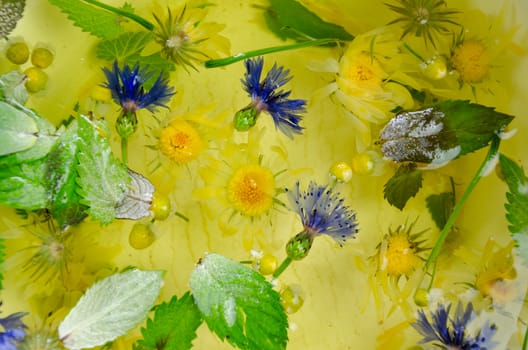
(448, 332)
(265, 97)
(424, 18)
(322, 212)
(126, 86)
(368, 82)
(14, 331)
(186, 38)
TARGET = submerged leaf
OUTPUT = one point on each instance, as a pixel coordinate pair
(403, 185)
(517, 205)
(12, 87)
(238, 304)
(173, 326)
(18, 132)
(289, 19)
(440, 207)
(22, 186)
(137, 201)
(110, 308)
(125, 45)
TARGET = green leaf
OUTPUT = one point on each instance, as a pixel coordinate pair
(110, 308)
(62, 163)
(96, 21)
(23, 185)
(441, 206)
(12, 87)
(18, 132)
(238, 304)
(2, 259)
(288, 19)
(138, 200)
(155, 63)
(103, 179)
(439, 134)
(126, 44)
(173, 327)
(517, 204)
(403, 185)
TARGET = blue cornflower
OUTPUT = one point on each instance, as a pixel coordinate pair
(14, 331)
(128, 91)
(265, 97)
(449, 333)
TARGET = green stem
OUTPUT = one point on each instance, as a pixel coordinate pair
(414, 53)
(140, 20)
(525, 339)
(244, 55)
(492, 152)
(124, 150)
(285, 263)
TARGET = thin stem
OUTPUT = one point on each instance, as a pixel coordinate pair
(414, 53)
(285, 263)
(124, 150)
(525, 339)
(139, 20)
(244, 55)
(492, 152)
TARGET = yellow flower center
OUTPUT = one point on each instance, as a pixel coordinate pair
(361, 71)
(400, 257)
(471, 60)
(180, 142)
(251, 189)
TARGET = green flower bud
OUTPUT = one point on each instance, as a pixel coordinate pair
(126, 125)
(299, 246)
(246, 118)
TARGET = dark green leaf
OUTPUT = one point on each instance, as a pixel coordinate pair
(96, 21)
(173, 326)
(517, 204)
(125, 45)
(288, 19)
(440, 207)
(238, 304)
(403, 185)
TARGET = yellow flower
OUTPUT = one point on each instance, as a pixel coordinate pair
(241, 188)
(366, 80)
(180, 142)
(186, 38)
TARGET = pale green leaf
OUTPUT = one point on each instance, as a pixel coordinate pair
(23, 185)
(103, 179)
(12, 87)
(173, 326)
(138, 200)
(96, 21)
(238, 304)
(125, 45)
(18, 131)
(110, 308)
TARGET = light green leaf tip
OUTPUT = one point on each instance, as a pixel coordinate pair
(238, 304)
(18, 132)
(110, 308)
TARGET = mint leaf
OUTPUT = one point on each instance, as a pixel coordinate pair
(23, 186)
(61, 176)
(439, 134)
(12, 87)
(18, 132)
(288, 19)
(123, 46)
(103, 179)
(173, 326)
(110, 308)
(96, 21)
(403, 185)
(517, 205)
(440, 207)
(238, 304)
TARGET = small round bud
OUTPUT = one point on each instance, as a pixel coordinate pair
(160, 206)
(268, 264)
(435, 68)
(341, 171)
(141, 236)
(36, 79)
(421, 297)
(291, 300)
(299, 246)
(17, 53)
(363, 164)
(41, 57)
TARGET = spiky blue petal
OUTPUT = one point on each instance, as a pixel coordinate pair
(450, 333)
(14, 331)
(126, 86)
(322, 212)
(265, 96)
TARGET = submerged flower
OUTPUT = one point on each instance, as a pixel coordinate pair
(265, 97)
(127, 88)
(426, 18)
(14, 331)
(451, 333)
(186, 39)
(322, 213)
(180, 142)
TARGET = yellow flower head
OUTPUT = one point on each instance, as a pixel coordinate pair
(251, 189)
(399, 252)
(180, 142)
(186, 39)
(471, 60)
